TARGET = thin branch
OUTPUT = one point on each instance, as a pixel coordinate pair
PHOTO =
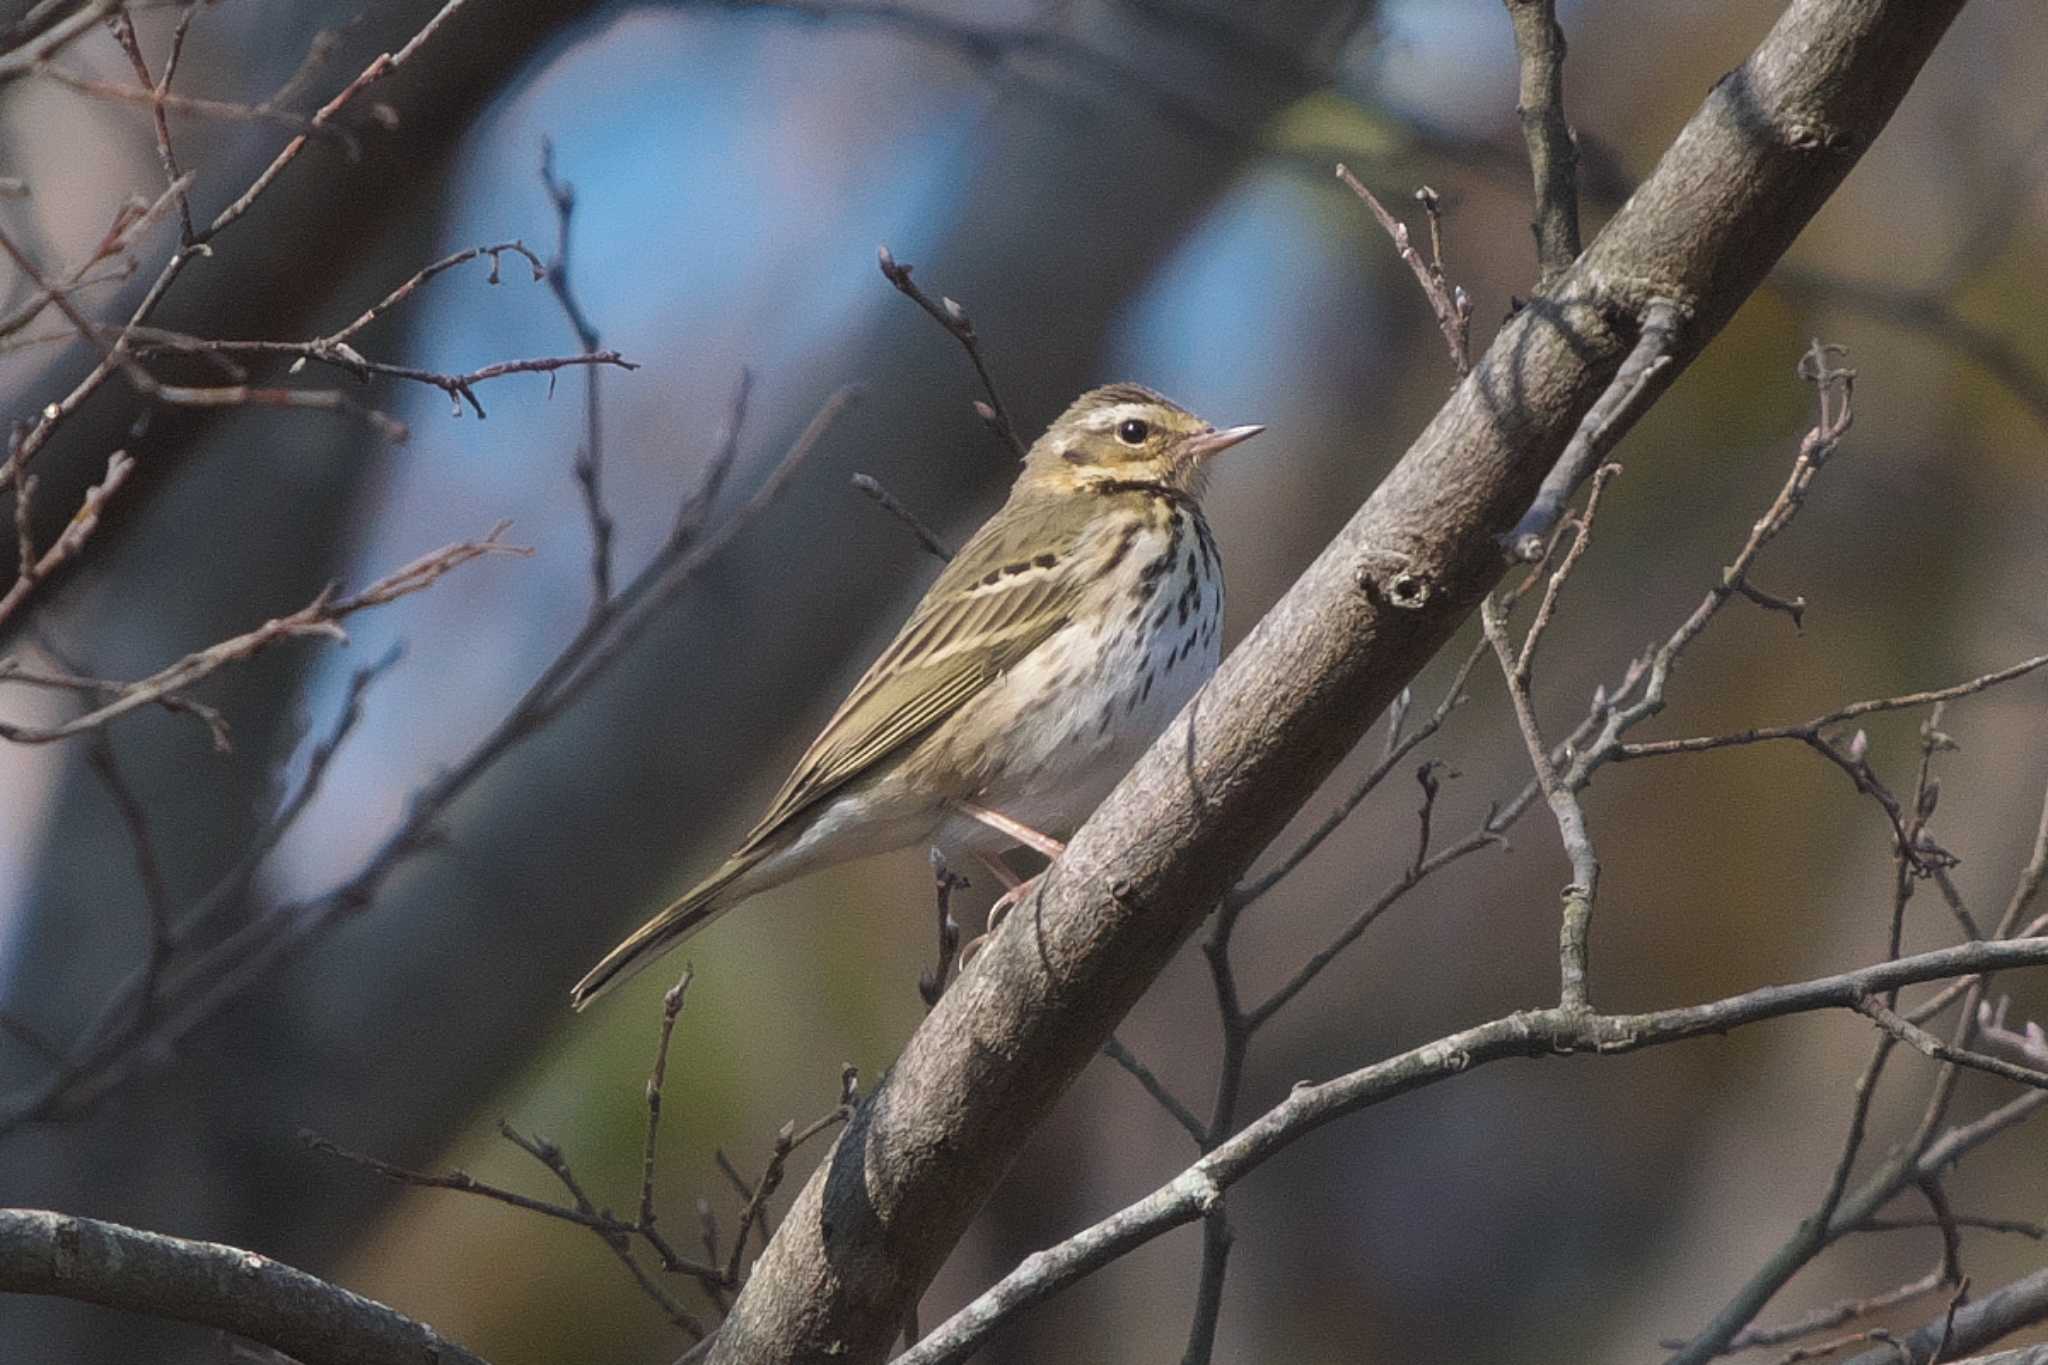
(1157, 1089)
(1812, 732)
(886, 500)
(124, 34)
(83, 523)
(1990, 1319)
(380, 66)
(788, 1139)
(194, 106)
(321, 617)
(1582, 894)
(1825, 1317)
(589, 459)
(1553, 149)
(1451, 304)
(115, 357)
(156, 896)
(614, 1233)
(1641, 377)
(2037, 1232)
(1398, 747)
(1535, 1033)
(951, 316)
(671, 1006)
(200, 988)
(29, 56)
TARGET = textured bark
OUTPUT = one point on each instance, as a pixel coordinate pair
(218, 1286)
(877, 1219)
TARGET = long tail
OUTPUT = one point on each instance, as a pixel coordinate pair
(697, 908)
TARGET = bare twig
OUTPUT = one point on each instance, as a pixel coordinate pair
(787, 1140)
(1639, 379)
(1827, 1316)
(671, 1006)
(1452, 306)
(198, 989)
(124, 33)
(613, 1232)
(886, 500)
(1535, 1033)
(115, 356)
(1583, 893)
(1157, 1089)
(951, 316)
(156, 896)
(194, 106)
(381, 66)
(590, 457)
(1553, 149)
(35, 568)
(1398, 747)
(321, 617)
(2037, 1232)
(1991, 1318)
(1813, 732)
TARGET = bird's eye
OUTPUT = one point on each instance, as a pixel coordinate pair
(1132, 432)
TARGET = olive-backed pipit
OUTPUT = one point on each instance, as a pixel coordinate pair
(1050, 653)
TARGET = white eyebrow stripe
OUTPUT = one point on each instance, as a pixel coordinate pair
(1109, 418)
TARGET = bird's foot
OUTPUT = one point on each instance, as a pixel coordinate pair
(997, 913)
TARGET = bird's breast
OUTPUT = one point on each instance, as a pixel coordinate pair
(1078, 710)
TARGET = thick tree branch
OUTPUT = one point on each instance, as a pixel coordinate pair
(879, 1216)
(237, 1291)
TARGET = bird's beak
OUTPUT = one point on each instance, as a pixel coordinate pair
(1210, 442)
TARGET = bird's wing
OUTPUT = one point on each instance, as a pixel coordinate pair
(1009, 588)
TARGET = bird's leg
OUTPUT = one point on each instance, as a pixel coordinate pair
(1022, 833)
(1000, 870)
(1015, 891)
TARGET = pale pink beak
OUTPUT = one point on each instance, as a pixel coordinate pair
(1210, 442)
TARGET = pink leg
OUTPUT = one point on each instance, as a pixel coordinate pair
(1000, 870)
(1022, 833)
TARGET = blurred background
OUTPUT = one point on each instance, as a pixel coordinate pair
(1115, 189)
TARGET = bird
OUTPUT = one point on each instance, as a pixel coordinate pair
(1052, 650)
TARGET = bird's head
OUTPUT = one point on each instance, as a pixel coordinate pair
(1125, 433)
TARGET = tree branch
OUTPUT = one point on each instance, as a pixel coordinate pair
(219, 1286)
(881, 1213)
(1537, 1033)
(1553, 150)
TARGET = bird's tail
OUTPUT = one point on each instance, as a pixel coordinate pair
(697, 908)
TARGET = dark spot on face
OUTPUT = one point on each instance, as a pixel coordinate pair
(1073, 457)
